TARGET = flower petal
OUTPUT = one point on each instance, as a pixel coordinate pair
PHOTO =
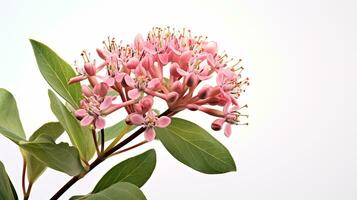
(163, 121)
(149, 134)
(129, 81)
(100, 123)
(136, 119)
(80, 113)
(227, 130)
(154, 84)
(87, 120)
(134, 93)
(106, 103)
(101, 89)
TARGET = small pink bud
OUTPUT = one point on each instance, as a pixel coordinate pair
(173, 70)
(203, 93)
(192, 107)
(172, 97)
(191, 80)
(217, 124)
(90, 69)
(147, 102)
(86, 91)
(177, 87)
(101, 54)
(147, 62)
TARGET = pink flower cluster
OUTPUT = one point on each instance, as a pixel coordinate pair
(137, 74)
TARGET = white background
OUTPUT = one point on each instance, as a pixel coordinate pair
(300, 56)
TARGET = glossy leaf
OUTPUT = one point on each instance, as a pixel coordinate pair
(35, 167)
(10, 124)
(60, 156)
(81, 137)
(6, 189)
(121, 190)
(195, 147)
(57, 73)
(136, 170)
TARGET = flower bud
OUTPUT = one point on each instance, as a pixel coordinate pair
(86, 91)
(211, 48)
(172, 97)
(203, 93)
(217, 124)
(90, 69)
(191, 80)
(192, 107)
(173, 70)
(101, 54)
(177, 87)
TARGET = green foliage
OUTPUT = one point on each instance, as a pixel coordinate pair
(10, 124)
(195, 147)
(60, 156)
(57, 73)
(121, 190)
(35, 167)
(113, 131)
(136, 170)
(7, 191)
(80, 136)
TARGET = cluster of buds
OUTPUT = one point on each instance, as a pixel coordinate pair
(137, 74)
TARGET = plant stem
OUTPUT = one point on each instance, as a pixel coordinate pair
(24, 177)
(120, 135)
(27, 194)
(129, 148)
(102, 140)
(94, 134)
(100, 159)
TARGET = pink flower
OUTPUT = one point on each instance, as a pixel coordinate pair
(93, 105)
(150, 121)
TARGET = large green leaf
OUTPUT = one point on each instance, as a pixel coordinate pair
(10, 124)
(35, 167)
(113, 131)
(57, 73)
(6, 189)
(121, 190)
(136, 170)
(80, 136)
(60, 156)
(195, 147)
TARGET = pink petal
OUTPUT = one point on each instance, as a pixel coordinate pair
(149, 134)
(154, 84)
(106, 103)
(87, 120)
(119, 77)
(132, 63)
(211, 61)
(100, 123)
(164, 58)
(181, 71)
(136, 119)
(134, 93)
(129, 81)
(140, 71)
(211, 47)
(138, 42)
(227, 130)
(109, 81)
(80, 113)
(101, 89)
(148, 47)
(163, 122)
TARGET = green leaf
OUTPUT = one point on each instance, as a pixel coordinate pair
(13, 190)
(195, 147)
(51, 129)
(81, 137)
(57, 73)
(10, 124)
(121, 190)
(35, 167)
(60, 156)
(136, 170)
(113, 131)
(6, 189)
